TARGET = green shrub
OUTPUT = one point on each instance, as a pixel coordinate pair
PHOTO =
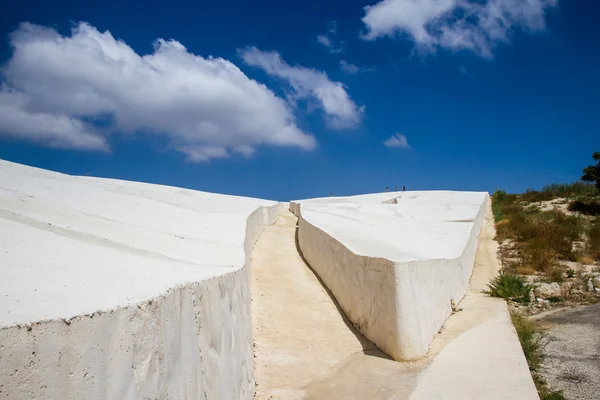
(509, 287)
(499, 195)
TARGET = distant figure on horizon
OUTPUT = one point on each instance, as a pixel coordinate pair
(396, 188)
(404, 188)
(386, 190)
(331, 194)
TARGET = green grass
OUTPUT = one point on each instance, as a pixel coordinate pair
(509, 287)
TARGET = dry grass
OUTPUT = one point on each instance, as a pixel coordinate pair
(524, 270)
(586, 260)
(593, 244)
(541, 239)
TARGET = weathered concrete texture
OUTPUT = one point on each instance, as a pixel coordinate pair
(478, 354)
(124, 290)
(305, 348)
(315, 353)
(394, 268)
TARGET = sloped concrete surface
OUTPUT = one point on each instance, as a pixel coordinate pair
(124, 290)
(478, 354)
(395, 268)
(305, 348)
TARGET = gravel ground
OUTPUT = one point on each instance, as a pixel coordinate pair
(572, 362)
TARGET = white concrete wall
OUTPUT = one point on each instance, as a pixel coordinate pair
(192, 340)
(399, 306)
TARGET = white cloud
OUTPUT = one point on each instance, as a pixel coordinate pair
(327, 42)
(340, 110)
(52, 130)
(206, 107)
(353, 69)
(329, 39)
(397, 140)
(455, 24)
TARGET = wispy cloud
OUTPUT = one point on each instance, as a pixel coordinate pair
(329, 39)
(339, 108)
(206, 107)
(353, 69)
(455, 24)
(397, 140)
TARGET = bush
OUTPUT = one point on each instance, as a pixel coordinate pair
(556, 190)
(537, 254)
(546, 237)
(509, 287)
(593, 242)
(570, 190)
(499, 195)
(587, 207)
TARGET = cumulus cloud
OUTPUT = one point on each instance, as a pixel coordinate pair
(55, 86)
(353, 69)
(455, 24)
(397, 140)
(341, 112)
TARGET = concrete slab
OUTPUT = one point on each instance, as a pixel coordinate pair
(315, 353)
(478, 341)
(115, 289)
(395, 267)
(305, 348)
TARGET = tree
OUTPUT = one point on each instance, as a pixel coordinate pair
(592, 173)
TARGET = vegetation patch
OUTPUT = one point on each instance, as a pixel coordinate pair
(509, 287)
(533, 341)
(560, 190)
(593, 243)
(587, 207)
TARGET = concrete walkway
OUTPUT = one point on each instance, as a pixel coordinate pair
(306, 349)
(478, 354)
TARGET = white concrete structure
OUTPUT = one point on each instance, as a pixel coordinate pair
(122, 290)
(394, 261)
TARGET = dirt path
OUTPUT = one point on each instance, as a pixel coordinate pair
(305, 348)
(572, 362)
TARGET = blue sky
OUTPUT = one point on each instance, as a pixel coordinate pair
(471, 96)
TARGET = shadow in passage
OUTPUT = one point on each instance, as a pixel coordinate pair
(368, 347)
